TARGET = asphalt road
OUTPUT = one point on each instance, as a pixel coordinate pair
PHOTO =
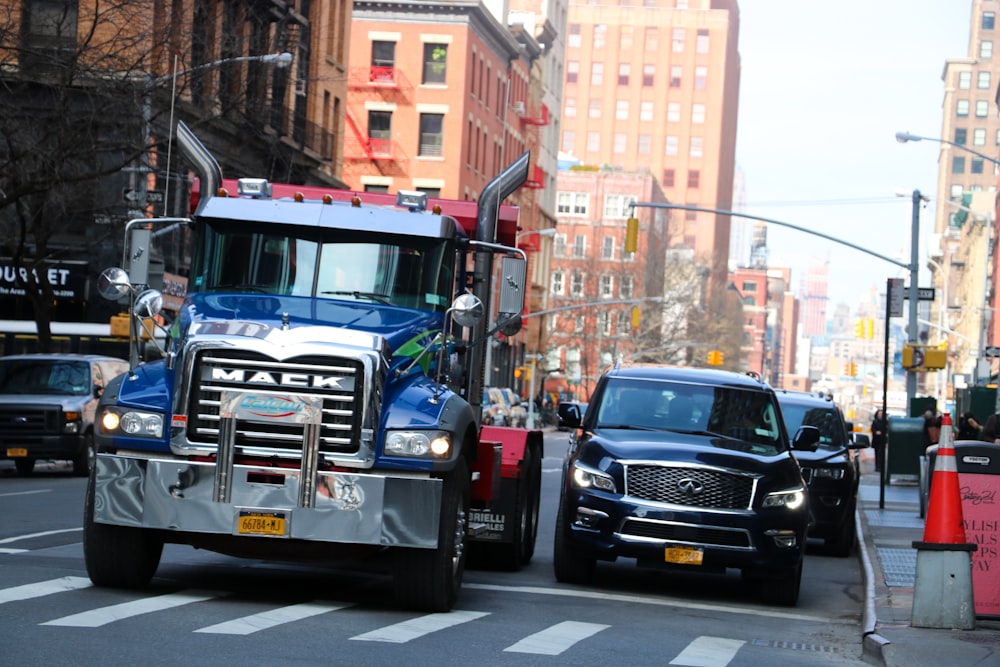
(205, 609)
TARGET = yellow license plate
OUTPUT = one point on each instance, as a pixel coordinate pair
(17, 451)
(261, 523)
(683, 556)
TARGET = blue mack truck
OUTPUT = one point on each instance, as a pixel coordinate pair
(317, 394)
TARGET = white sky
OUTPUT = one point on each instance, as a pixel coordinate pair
(824, 88)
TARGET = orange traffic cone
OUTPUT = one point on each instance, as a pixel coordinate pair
(944, 509)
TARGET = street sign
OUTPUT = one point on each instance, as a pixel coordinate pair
(991, 351)
(923, 294)
(154, 197)
(132, 196)
(896, 297)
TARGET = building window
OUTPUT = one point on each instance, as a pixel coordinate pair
(625, 38)
(597, 74)
(697, 147)
(958, 165)
(976, 165)
(749, 286)
(576, 285)
(675, 76)
(625, 287)
(961, 135)
(673, 112)
(607, 287)
(620, 141)
(569, 141)
(998, 138)
(645, 145)
(593, 142)
(618, 206)
(698, 113)
(431, 192)
(694, 176)
(50, 24)
(964, 80)
(579, 246)
(670, 147)
(962, 108)
(594, 107)
(979, 137)
(986, 49)
(956, 191)
(651, 40)
(431, 134)
(624, 70)
(600, 35)
(983, 80)
(701, 42)
(604, 322)
(982, 108)
(608, 247)
(572, 203)
(989, 19)
(668, 178)
(570, 110)
(646, 111)
(691, 216)
(678, 40)
(574, 36)
(700, 78)
(578, 324)
(647, 75)
(572, 71)
(435, 63)
(380, 132)
(369, 187)
(558, 283)
(621, 109)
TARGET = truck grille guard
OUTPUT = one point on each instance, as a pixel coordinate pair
(346, 382)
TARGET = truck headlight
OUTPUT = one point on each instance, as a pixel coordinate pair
(418, 444)
(123, 421)
(792, 498)
(585, 477)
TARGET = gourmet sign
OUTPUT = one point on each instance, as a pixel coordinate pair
(981, 518)
(67, 280)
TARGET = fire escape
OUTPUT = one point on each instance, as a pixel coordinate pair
(384, 84)
(540, 118)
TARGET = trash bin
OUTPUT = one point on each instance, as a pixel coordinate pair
(904, 446)
(978, 465)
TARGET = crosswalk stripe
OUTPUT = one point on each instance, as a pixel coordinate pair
(400, 633)
(556, 639)
(708, 652)
(43, 588)
(271, 618)
(117, 612)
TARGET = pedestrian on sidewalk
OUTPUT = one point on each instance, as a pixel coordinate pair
(990, 433)
(879, 426)
(968, 427)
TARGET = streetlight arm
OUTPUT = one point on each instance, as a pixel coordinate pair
(903, 137)
(277, 59)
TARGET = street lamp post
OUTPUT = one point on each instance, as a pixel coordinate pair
(550, 231)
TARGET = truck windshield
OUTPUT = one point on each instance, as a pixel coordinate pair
(407, 271)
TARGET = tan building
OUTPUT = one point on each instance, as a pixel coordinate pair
(654, 86)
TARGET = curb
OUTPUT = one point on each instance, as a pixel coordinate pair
(874, 647)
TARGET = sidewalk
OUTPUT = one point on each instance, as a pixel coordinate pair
(889, 562)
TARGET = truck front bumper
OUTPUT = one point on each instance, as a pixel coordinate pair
(342, 507)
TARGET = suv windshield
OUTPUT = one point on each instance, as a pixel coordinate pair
(729, 412)
(40, 377)
(826, 419)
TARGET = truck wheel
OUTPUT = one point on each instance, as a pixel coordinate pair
(118, 556)
(24, 466)
(534, 488)
(84, 461)
(783, 590)
(512, 555)
(430, 579)
(569, 567)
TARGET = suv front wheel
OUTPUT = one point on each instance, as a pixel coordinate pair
(782, 589)
(569, 567)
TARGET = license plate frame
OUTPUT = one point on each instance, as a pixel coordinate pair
(262, 523)
(17, 452)
(679, 555)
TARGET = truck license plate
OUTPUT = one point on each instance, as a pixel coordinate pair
(261, 523)
(683, 556)
(17, 451)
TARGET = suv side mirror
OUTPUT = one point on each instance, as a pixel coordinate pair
(806, 439)
(569, 415)
(860, 440)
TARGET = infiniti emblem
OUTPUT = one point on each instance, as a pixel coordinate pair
(692, 487)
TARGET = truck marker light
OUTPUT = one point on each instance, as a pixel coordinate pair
(109, 421)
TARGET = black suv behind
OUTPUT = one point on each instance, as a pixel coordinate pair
(832, 472)
(684, 468)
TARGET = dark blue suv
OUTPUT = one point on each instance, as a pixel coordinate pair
(688, 469)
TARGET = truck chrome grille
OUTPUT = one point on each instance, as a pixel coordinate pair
(690, 486)
(340, 382)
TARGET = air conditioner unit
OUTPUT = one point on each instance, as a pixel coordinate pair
(519, 108)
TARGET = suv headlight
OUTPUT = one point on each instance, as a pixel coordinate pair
(585, 477)
(418, 444)
(791, 498)
(829, 473)
(116, 420)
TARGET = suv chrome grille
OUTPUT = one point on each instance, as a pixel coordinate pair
(339, 381)
(686, 533)
(694, 487)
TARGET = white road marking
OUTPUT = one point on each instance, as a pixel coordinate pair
(400, 633)
(271, 618)
(43, 588)
(708, 652)
(556, 639)
(24, 493)
(95, 618)
(18, 538)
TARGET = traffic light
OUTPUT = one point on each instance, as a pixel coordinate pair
(715, 358)
(631, 234)
(859, 329)
(864, 328)
(635, 317)
(850, 369)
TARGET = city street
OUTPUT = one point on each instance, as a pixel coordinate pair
(203, 608)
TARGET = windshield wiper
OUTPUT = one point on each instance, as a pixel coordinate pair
(262, 289)
(628, 427)
(371, 296)
(698, 431)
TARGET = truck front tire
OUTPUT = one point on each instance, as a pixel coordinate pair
(118, 556)
(430, 579)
